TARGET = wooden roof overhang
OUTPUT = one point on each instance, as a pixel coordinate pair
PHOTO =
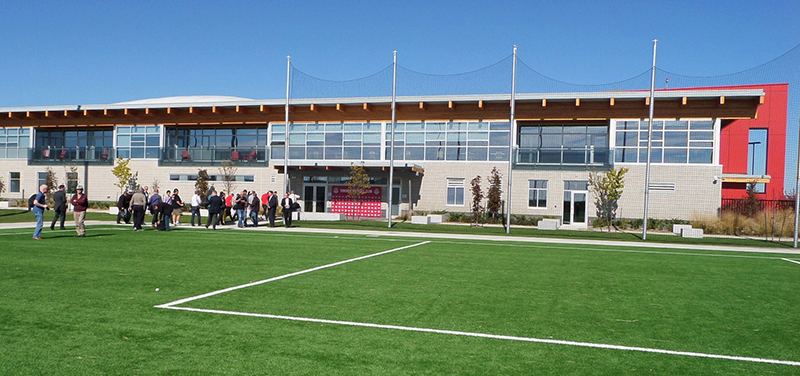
(601, 106)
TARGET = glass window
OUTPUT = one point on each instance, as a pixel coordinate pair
(455, 191)
(14, 182)
(537, 193)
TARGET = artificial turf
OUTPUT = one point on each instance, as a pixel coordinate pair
(87, 306)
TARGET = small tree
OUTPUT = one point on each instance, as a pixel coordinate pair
(51, 180)
(2, 186)
(155, 184)
(751, 205)
(477, 199)
(122, 172)
(228, 172)
(607, 189)
(493, 199)
(201, 184)
(133, 183)
(357, 186)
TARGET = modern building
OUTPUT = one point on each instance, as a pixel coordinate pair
(707, 143)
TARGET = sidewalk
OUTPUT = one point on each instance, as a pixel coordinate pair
(405, 234)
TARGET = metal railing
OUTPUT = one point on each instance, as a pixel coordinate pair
(71, 155)
(213, 155)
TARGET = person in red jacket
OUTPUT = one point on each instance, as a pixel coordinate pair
(79, 203)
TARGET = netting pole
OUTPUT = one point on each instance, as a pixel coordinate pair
(649, 143)
(286, 130)
(391, 141)
(797, 189)
(511, 139)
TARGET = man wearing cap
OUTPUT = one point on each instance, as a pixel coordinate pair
(59, 206)
(79, 205)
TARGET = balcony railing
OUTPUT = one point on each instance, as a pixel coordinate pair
(46, 155)
(588, 156)
(255, 156)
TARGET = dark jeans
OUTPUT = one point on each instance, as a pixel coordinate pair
(213, 220)
(138, 216)
(59, 213)
(287, 218)
(196, 211)
(271, 216)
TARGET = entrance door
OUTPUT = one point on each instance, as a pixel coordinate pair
(395, 201)
(575, 193)
(314, 198)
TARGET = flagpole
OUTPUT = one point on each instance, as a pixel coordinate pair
(286, 130)
(649, 143)
(511, 138)
(391, 141)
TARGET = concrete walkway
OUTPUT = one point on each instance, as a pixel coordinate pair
(406, 234)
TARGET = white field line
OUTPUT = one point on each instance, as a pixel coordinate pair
(494, 336)
(790, 260)
(229, 289)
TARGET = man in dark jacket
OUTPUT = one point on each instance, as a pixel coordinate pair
(123, 203)
(214, 209)
(272, 206)
(288, 207)
(59, 206)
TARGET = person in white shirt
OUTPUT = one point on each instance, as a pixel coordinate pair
(195, 204)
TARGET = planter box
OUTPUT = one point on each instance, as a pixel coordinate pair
(676, 229)
(548, 224)
(435, 218)
(696, 233)
(420, 220)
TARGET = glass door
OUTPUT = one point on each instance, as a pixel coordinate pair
(395, 201)
(575, 194)
(314, 198)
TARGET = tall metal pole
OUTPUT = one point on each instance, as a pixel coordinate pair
(649, 143)
(511, 139)
(286, 131)
(797, 189)
(391, 141)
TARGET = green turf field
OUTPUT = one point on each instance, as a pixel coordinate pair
(77, 306)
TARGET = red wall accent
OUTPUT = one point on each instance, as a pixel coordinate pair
(734, 137)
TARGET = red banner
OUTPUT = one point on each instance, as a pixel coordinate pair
(365, 205)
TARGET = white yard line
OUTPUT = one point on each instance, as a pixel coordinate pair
(229, 289)
(790, 260)
(494, 336)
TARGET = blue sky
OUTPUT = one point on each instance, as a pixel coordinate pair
(94, 52)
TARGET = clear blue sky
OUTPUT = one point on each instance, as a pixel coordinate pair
(95, 52)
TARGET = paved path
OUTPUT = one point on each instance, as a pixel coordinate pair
(28, 225)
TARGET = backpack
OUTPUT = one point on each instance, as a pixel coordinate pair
(30, 201)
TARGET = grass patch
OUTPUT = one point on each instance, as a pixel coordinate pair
(86, 306)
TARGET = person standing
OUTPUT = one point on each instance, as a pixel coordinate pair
(138, 201)
(264, 201)
(195, 204)
(240, 205)
(80, 203)
(123, 203)
(288, 206)
(153, 203)
(255, 206)
(228, 207)
(272, 206)
(59, 206)
(166, 210)
(177, 207)
(214, 210)
(39, 206)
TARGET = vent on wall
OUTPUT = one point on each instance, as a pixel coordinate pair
(662, 187)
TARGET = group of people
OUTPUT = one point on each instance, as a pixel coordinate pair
(167, 209)
(245, 205)
(79, 201)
